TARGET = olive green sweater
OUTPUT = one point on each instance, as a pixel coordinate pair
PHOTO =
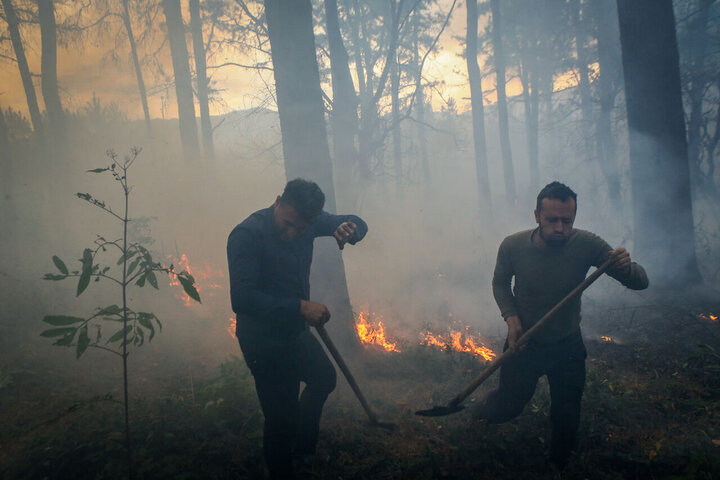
(545, 275)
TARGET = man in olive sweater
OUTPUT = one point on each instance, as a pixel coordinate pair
(547, 263)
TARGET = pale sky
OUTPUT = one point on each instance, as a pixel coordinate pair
(87, 71)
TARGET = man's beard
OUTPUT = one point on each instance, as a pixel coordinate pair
(552, 241)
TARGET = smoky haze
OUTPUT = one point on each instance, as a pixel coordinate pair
(427, 261)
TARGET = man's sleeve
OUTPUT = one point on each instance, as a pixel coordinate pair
(635, 280)
(326, 224)
(244, 262)
(502, 282)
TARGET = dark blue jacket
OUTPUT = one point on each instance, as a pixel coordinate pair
(269, 277)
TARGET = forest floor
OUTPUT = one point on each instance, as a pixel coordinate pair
(651, 410)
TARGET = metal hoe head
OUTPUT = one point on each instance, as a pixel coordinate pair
(440, 411)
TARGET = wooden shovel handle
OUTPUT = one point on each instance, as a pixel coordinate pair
(346, 372)
(477, 381)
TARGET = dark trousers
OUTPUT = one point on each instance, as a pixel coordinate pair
(564, 364)
(291, 423)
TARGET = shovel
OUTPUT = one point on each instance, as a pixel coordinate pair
(351, 380)
(454, 404)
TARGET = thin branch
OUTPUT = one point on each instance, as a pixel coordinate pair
(234, 64)
(255, 20)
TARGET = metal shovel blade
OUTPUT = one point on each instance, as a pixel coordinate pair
(440, 411)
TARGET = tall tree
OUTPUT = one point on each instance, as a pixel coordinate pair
(476, 100)
(199, 53)
(48, 66)
(608, 55)
(699, 39)
(19, 49)
(420, 97)
(344, 110)
(579, 23)
(136, 63)
(183, 79)
(504, 129)
(304, 138)
(664, 229)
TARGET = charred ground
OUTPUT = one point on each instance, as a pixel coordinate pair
(650, 411)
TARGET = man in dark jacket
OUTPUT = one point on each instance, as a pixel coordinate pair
(269, 257)
(547, 263)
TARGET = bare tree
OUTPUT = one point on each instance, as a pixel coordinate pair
(478, 109)
(183, 79)
(49, 83)
(664, 228)
(136, 63)
(199, 52)
(19, 49)
(304, 138)
(608, 55)
(343, 117)
(504, 129)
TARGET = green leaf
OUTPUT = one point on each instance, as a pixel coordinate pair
(83, 342)
(60, 265)
(87, 268)
(119, 334)
(65, 341)
(57, 332)
(187, 282)
(133, 265)
(139, 337)
(59, 320)
(152, 278)
(110, 310)
(98, 170)
(141, 280)
(144, 320)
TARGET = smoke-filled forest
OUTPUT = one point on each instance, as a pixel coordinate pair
(136, 134)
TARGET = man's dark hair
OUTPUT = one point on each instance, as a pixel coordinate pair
(305, 197)
(555, 190)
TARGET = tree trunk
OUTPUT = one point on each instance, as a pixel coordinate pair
(531, 102)
(183, 80)
(699, 39)
(344, 118)
(304, 138)
(504, 130)
(396, 134)
(583, 77)
(202, 80)
(50, 90)
(420, 109)
(13, 26)
(664, 229)
(478, 109)
(55, 126)
(610, 73)
(136, 63)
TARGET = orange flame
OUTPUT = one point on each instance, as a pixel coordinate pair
(459, 342)
(206, 275)
(606, 338)
(373, 333)
(231, 326)
(709, 316)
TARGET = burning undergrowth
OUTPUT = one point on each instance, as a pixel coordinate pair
(454, 336)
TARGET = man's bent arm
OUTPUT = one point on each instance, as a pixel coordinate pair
(326, 224)
(244, 266)
(502, 283)
(636, 279)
